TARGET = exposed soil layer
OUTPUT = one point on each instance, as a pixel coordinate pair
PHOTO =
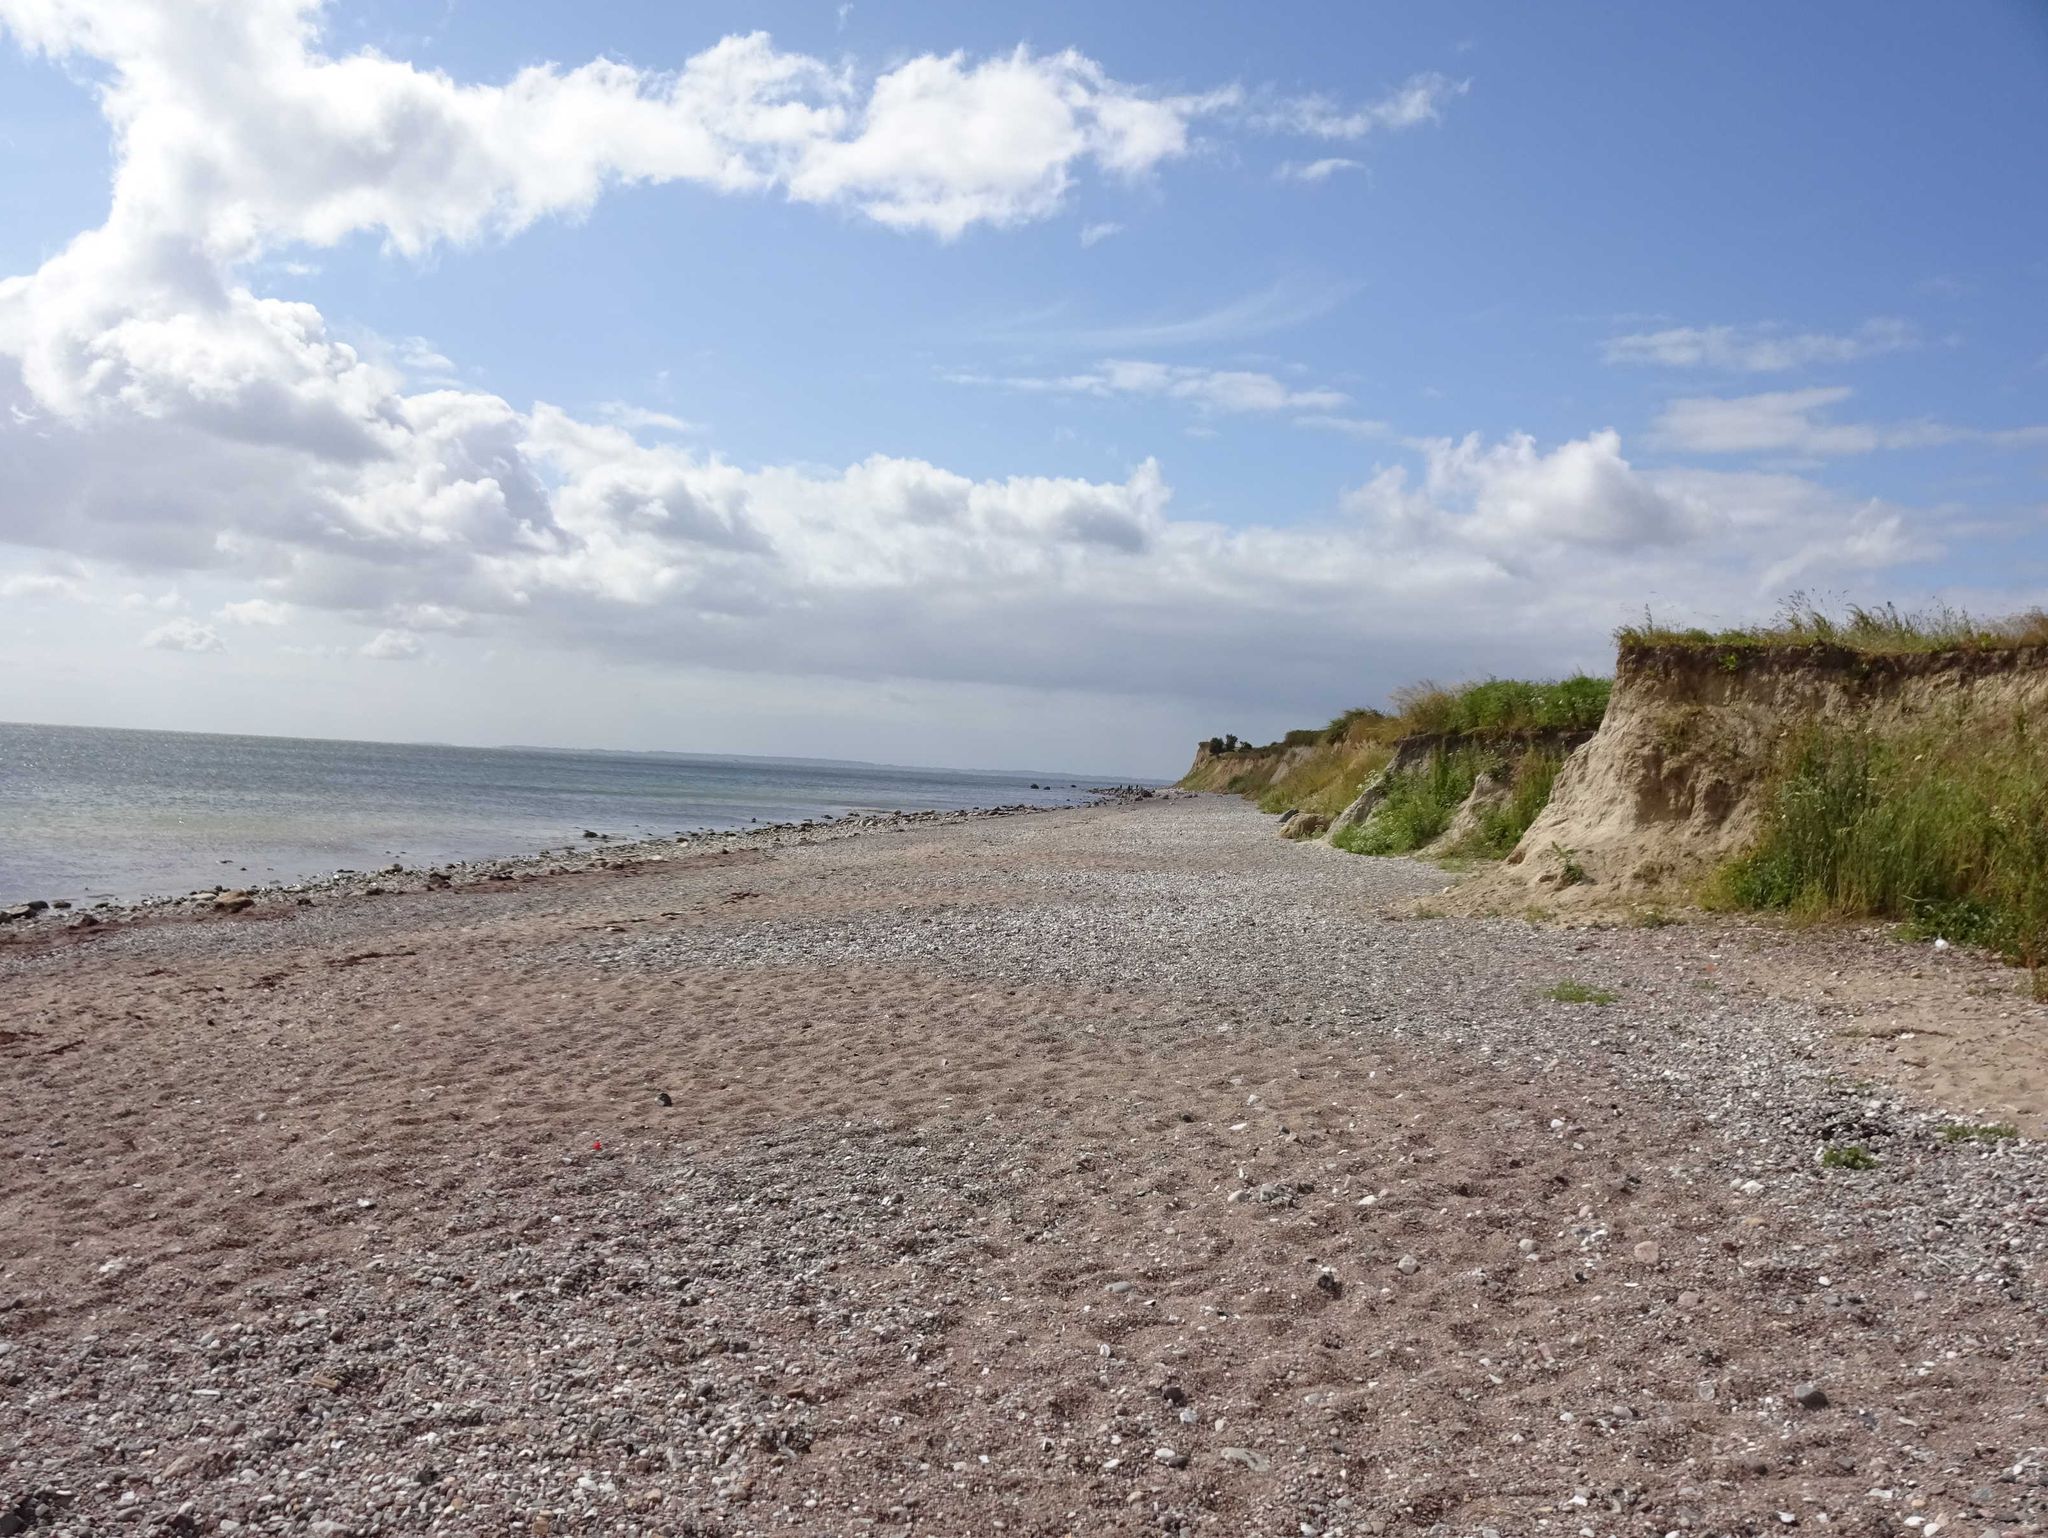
(1673, 782)
(1120, 1170)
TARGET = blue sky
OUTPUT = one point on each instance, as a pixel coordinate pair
(1428, 340)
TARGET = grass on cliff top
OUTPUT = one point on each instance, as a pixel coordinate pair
(1493, 705)
(1941, 826)
(1884, 630)
(1573, 704)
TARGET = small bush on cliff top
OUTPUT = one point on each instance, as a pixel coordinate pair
(1941, 826)
(1802, 621)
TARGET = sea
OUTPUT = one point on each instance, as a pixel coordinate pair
(88, 813)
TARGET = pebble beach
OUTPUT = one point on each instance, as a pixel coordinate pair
(1110, 1170)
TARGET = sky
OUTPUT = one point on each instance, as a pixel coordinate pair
(994, 385)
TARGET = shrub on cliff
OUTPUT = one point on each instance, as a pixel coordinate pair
(1419, 804)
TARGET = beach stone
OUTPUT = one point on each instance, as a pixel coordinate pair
(1407, 1265)
(1647, 1252)
(17, 912)
(1811, 1396)
(1251, 1458)
(232, 902)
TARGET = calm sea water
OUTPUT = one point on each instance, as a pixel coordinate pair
(88, 813)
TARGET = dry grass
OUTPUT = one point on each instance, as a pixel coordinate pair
(1883, 630)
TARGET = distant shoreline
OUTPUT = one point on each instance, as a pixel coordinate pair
(97, 815)
(41, 918)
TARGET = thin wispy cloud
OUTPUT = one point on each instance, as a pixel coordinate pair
(1418, 100)
(642, 419)
(1798, 423)
(1760, 349)
(1210, 389)
(1278, 307)
(1313, 171)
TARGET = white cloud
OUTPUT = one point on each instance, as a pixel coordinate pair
(162, 603)
(1095, 234)
(420, 356)
(1316, 170)
(1418, 100)
(392, 646)
(1759, 349)
(641, 419)
(1278, 307)
(1510, 497)
(187, 429)
(184, 635)
(1791, 422)
(42, 585)
(255, 611)
(1222, 390)
(1351, 427)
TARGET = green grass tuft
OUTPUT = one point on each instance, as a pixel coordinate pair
(1987, 1132)
(1569, 992)
(1848, 1156)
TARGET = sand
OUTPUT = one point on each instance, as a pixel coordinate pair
(1104, 1171)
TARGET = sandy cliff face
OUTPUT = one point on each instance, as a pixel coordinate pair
(1671, 784)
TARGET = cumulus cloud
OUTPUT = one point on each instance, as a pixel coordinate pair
(1095, 234)
(184, 635)
(255, 611)
(1792, 422)
(1510, 497)
(42, 585)
(169, 421)
(1210, 389)
(1759, 349)
(392, 646)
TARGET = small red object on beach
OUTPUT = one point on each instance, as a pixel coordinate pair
(597, 1145)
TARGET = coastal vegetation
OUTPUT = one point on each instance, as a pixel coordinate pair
(1863, 763)
(1502, 736)
(1422, 803)
(1943, 827)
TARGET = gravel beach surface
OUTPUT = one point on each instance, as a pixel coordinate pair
(1120, 1170)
